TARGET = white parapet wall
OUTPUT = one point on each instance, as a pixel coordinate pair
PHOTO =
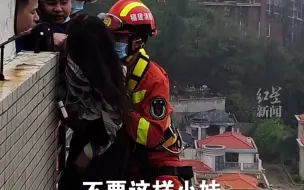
(198, 105)
(7, 11)
(28, 122)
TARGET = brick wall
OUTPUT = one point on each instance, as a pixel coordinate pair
(28, 123)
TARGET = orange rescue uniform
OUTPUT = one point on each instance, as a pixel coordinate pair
(148, 86)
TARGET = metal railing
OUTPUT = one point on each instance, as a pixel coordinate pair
(19, 36)
(236, 166)
(250, 166)
(232, 166)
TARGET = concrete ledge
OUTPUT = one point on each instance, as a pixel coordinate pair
(23, 67)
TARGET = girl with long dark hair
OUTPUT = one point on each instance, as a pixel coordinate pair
(95, 98)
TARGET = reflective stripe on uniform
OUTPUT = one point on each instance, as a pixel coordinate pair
(138, 96)
(124, 12)
(142, 131)
(138, 71)
(131, 85)
(140, 67)
(143, 52)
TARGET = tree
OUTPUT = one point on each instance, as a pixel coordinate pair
(275, 140)
(242, 108)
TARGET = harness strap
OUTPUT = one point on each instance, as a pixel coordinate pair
(169, 139)
(169, 133)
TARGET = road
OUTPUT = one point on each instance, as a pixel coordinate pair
(278, 178)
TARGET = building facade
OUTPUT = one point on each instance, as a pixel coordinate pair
(252, 14)
(300, 141)
(291, 14)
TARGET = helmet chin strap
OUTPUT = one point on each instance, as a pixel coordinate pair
(132, 51)
(131, 39)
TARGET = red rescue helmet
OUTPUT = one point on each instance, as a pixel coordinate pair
(130, 16)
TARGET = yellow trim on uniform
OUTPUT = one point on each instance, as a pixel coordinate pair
(138, 71)
(124, 12)
(171, 140)
(142, 131)
(140, 67)
(131, 85)
(138, 96)
(143, 52)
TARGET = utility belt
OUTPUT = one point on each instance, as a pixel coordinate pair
(170, 141)
(182, 172)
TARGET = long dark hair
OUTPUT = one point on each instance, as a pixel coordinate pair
(91, 46)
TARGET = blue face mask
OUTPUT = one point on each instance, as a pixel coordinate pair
(121, 49)
(77, 6)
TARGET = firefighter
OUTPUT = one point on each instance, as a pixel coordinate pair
(158, 143)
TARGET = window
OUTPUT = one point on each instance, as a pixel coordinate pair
(228, 129)
(194, 132)
(232, 157)
(219, 163)
(268, 30)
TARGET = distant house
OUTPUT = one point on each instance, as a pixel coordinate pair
(197, 165)
(209, 123)
(187, 139)
(229, 151)
(238, 182)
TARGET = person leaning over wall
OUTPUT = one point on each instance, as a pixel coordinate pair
(26, 18)
(39, 37)
(57, 13)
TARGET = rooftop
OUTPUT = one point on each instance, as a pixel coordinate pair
(199, 166)
(238, 181)
(212, 116)
(230, 140)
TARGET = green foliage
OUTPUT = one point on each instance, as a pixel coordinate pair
(275, 140)
(242, 108)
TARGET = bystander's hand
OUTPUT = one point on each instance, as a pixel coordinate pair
(59, 38)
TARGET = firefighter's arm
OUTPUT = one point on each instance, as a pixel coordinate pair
(147, 125)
